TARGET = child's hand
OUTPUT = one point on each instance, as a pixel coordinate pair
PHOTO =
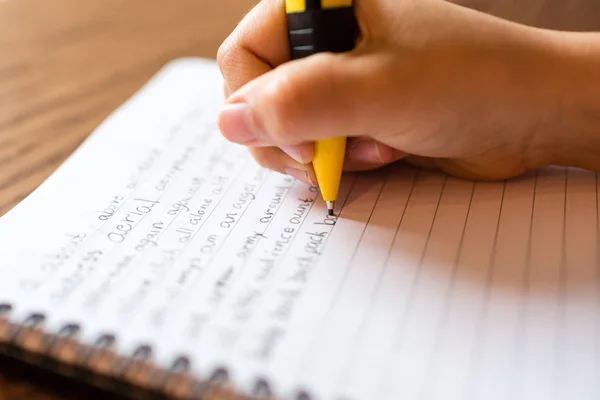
(455, 89)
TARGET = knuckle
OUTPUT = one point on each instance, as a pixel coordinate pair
(227, 54)
(223, 50)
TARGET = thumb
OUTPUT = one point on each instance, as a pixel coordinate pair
(318, 97)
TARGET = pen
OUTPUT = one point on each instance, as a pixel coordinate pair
(316, 26)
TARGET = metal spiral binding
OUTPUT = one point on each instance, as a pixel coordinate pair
(179, 384)
(5, 325)
(302, 395)
(100, 366)
(262, 390)
(217, 386)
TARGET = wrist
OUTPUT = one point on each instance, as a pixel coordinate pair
(542, 75)
(574, 134)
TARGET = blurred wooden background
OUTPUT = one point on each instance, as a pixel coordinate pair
(66, 64)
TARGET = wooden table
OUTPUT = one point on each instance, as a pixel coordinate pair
(66, 64)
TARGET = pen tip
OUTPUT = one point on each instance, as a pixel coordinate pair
(330, 208)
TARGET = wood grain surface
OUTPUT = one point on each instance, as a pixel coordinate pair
(66, 64)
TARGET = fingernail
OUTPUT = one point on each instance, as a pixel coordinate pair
(366, 151)
(388, 154)
(300, 175)
(301, 154)
(236, 123)
(372, 152)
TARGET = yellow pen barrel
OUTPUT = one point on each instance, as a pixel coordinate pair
(316, 26)
(328, 162)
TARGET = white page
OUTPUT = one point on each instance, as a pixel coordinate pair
(161, 233)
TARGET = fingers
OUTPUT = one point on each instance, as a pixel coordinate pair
(275, 159)
(366, 154)
(257, 45)
(279, 112)
(322, 96)
(363, 154)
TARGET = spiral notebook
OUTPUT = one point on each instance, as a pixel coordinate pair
(160, 259)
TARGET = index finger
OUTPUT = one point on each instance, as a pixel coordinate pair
(256, 46)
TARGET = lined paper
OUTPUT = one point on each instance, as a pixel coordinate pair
(160, 233)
